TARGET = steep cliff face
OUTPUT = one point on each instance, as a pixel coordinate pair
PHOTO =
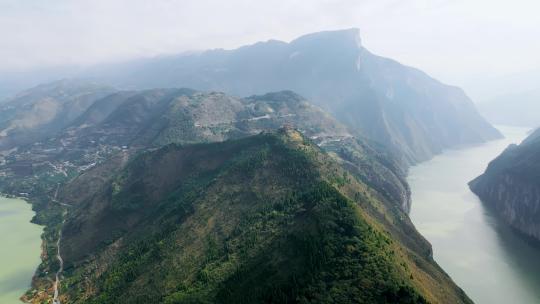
(399, 106)
(511, 185)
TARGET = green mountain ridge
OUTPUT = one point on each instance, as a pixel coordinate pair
(266, 219)
(144, 171)
(153, 118)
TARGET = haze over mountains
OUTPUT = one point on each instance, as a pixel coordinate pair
(396, 105)
(173, 188)
(517, 109)
(152, 118)
(45, 110)
(379, 98)
(87, 157)
(257, 152)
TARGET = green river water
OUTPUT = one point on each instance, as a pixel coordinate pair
(20, 245)
(483, 255)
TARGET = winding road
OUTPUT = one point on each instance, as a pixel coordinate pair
(56, 299)
(59, 257)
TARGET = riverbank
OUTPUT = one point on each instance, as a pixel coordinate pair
(20, 250)
(482, 254)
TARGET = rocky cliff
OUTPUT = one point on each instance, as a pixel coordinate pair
(511, 186)
(269, 218)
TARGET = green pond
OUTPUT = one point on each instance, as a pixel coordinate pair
(480, 252)
(20, 248)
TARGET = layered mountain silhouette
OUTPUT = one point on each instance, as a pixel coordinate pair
(399, 106)
(42, 111)
(269, 179)
(270, 218)
(138, 120)
(193, 184)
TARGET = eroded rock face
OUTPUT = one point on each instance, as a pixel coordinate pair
(511, 186)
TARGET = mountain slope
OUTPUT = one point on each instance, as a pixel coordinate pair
(511, 185)
(161, 116)
(118, 206)
(135, 120)
(269, 218)
(43, 111)
(396, 105)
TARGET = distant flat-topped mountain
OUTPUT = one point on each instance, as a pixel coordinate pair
(382, 99)
(511, 185)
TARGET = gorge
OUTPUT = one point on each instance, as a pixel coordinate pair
(490, 261)
(511, 186)
(142, 171)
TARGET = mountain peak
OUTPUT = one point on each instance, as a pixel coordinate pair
(285, 95)
(349, 36)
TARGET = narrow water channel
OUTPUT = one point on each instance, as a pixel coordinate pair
(483, 256)
(20, 249)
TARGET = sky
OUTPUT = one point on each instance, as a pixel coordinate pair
(471, 43)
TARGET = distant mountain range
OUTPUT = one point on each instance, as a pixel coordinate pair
(511, 185)
(396, 105)
(156, 117)
(140, 172)
(194, 184)
(42, 111)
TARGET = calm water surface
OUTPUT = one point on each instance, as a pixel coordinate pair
(483, 256)
(19, 249)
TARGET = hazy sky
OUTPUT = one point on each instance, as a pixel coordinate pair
(456, 41)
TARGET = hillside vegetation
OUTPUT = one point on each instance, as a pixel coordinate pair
(181, 196)
(265, 219)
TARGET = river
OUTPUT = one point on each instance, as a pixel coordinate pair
(481, 254)
(20, 248)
